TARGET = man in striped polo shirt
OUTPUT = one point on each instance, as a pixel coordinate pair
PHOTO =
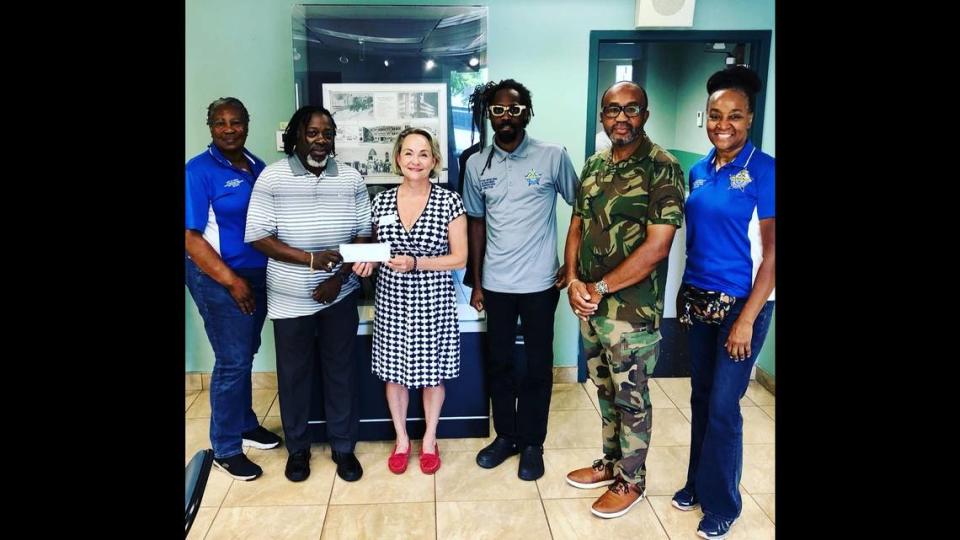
(302, 208)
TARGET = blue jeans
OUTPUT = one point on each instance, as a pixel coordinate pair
(235, 338)
(718, 383)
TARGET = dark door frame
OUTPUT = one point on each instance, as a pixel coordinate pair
(759, 61)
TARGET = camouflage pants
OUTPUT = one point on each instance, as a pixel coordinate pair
(620, 358)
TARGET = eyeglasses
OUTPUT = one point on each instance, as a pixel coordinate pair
(514, 110)
(613, 111)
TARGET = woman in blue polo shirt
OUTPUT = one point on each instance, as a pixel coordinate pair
(725, 308)
(227, 280)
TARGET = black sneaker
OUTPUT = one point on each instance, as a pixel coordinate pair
(496, 452)
(239, 467)
(531, 463)
(260, 438)
(298, 466)
(348, 466)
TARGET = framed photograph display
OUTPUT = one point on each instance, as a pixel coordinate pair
(370, 116)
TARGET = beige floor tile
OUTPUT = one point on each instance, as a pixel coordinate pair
(273, 488)
(471, 444)
(197, 437)
(760, 395)
(379, 447)
(571, 518)
(659, 398)
(753, 524)
(218, 485)
(676, 388)
(573, 429)
(264, 379)
(767, 503)
(687, 413)
(200, 408)
(591, 390)
(201, 523)
(566, 374)
(254, 522)
(274, 408)
(205, 379)
(758, 428)
(569, 397)
(190, 398)
(557, 462)
(771, 411)
(670, 428)
(493, 520)
(379, 485)
(759, 471)
(461, 479)
(381, 521)
(193, 382)
(262, 400)
(666, 469)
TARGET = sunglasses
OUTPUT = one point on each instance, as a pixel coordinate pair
(514, 110)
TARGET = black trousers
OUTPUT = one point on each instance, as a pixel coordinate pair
(327, 338)
(520, 390)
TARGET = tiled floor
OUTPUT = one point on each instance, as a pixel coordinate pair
(464, 501)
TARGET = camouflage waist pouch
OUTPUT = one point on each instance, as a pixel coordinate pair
(708, 307)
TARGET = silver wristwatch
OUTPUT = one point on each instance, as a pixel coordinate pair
(601, 287)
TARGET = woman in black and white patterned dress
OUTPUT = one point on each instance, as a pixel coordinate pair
(416, 334)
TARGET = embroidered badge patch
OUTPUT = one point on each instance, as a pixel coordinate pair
(233, 183)
(698, 182)
(533, 179)
(740, 180)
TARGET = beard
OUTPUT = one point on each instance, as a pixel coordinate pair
(623, 140)
(316, 164)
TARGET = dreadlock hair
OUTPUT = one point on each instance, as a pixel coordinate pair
(740, 78)
(480, 100)
(224, 101)
(299, 121)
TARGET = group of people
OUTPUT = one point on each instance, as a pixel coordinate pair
(262, 241)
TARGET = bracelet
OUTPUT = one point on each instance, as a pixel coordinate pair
(414, 262)
(311, 262)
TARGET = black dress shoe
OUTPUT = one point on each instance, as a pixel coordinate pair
(348, 467)
(298, 466)
(531, 463)
(496, 452)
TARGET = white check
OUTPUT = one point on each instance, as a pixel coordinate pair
(365, 252)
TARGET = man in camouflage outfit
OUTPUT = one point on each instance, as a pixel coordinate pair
(628, 208)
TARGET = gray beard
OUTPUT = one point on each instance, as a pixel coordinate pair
(314, 163)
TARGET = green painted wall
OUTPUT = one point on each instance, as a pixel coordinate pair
(243, 48)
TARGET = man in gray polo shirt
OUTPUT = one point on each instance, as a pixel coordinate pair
(510, 193)
(302, 208)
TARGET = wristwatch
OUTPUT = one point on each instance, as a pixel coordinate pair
(601, 287)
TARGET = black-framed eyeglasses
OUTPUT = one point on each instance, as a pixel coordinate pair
(613, 111)
(514, 110)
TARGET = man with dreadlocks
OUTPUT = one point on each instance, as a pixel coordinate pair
(302, 208)
(510, 195)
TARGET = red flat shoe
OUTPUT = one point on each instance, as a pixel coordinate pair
(430, 463)
(397, 462)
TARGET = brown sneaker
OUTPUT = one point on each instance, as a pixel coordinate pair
(618, 500)
(591, 477)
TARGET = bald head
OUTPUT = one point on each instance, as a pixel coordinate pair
(625, 85)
